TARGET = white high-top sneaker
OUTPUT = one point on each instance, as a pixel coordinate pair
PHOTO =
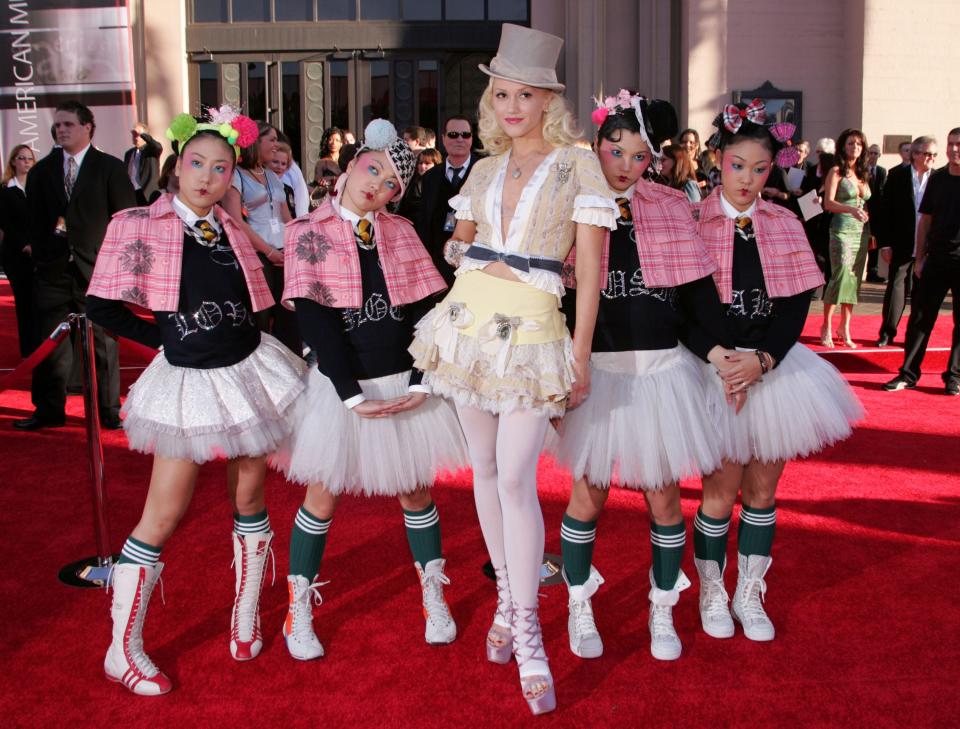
(748, 597)
(302, 642)
(585, 640)
(714, 601)
(126, 662)
(440, 627)
(250, 552)
(665, 644)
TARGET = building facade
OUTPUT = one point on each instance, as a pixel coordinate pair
(306, 64)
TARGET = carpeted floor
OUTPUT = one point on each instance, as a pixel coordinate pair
(861, 590)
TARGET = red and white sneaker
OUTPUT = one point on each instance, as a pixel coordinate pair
(126, 661)
(250, 553)
(302, 642)
(440, 627)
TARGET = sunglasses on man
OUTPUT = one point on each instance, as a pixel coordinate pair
(458, 135)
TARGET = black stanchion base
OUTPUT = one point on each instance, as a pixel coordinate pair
(549, 570)
(86, 572)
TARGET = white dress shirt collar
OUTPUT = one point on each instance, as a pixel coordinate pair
(348, 215)
(79, 156)
(449, 168)
(189, 217)
(732, 213)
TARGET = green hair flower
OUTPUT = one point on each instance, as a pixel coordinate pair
(182, 128)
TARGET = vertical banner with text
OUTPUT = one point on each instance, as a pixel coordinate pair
(55, 50)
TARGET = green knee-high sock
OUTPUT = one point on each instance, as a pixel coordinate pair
(307, 541)
(253, 524)
(423, 534)
(668, 543)
(576, 546)
(757, 526)
(710, 538)
(136, 552)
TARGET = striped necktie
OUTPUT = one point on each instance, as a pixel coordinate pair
(207, 231)
(624, 205)
(364, 233)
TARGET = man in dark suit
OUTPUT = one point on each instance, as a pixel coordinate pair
(142, 161)
(877, 176)
(435, 223)
(897, 231)
(71, 195)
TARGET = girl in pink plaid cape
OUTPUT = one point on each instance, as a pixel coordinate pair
(643, 426)
(219, 389)
(797, 403)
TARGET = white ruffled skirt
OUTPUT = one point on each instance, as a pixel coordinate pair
(374, 457)
(226, 412)
(799, 408)
(645, 424)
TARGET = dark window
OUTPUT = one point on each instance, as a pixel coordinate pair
(464, 9)
(291, 104)
(427, 94)
(209, 86)
(336, 9)
(380, 9)
(421, 9)
(210, 11)
(379, 90)
(294, 9)
(507, 10)
(339, 95)
(257, 91)
(251, 11)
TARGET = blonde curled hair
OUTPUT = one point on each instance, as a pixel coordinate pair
(559, 127)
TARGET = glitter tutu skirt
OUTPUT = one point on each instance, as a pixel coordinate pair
(799, 408)
(644, 425)
(225, 412)
(347, 453)
(496, 345)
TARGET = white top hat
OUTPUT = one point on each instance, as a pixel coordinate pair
(526, 56)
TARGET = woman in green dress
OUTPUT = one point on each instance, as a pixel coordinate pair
(845, 194)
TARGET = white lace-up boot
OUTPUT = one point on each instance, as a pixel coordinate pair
(585, 639)
(748, 597)
(302, 642)
(440, 627)
(665, 644)
(714, 600)
(250, 553)
(126, 662)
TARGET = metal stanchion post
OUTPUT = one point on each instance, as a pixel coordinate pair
(92, 571)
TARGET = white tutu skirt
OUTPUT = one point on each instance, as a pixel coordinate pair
(644, 425)
(800, 407)
(226, 412)
(347, 453)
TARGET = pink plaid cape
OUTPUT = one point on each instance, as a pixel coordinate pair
(789, 267)
(142, 252)
(321, 261)
(671, 253)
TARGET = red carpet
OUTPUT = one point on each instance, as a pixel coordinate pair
(862, 591)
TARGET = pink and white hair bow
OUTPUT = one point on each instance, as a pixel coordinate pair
(733, 115)
(788, 155)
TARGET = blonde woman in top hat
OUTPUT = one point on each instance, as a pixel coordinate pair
(497, 344)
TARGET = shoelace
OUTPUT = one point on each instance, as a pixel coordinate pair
(715, 604)
(245, 623)
(527, 636)
(754, 592)
(135, 637)
(302, 612)
(661, 622)
(433, 601)
(583, 617)
(504, 615)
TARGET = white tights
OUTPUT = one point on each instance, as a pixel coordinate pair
(504, 450)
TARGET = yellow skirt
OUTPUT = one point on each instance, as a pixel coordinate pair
(497, 345)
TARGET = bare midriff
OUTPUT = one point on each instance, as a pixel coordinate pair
(500, 270)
